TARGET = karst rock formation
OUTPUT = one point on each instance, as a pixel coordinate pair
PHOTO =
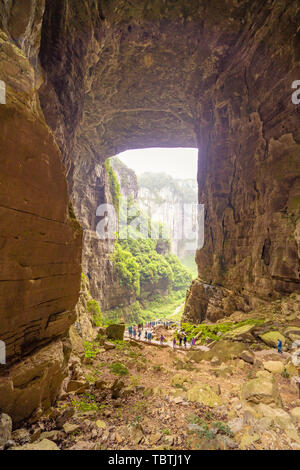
(88, 79)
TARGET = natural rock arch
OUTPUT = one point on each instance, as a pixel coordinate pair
(117, 75)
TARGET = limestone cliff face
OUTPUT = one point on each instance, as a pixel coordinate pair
(249, 167)
(40, 243)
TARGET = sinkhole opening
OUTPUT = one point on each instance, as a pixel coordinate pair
(162, 182)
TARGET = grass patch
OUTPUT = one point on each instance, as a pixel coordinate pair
(204, 332)
(90, 349)
(118, 368)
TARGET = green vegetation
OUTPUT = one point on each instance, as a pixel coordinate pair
(285, 374)
(182, 277)
(203, 332)
(90, 349)
(118, 368)
(189, 262)
(113, 184)
(159, 307)
(93, 308)
(142, 259)
(87, 403)
(126, 267)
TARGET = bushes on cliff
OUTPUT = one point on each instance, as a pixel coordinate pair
(152, 266)
(182, 277)
(126, 267)
(113, 185)
(93, 308)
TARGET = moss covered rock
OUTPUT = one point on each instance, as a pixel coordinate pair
(204, 394)
(261, 390)
(224, 350)
(271, 338)
(275, 367)
(116, 331)
(243, 333)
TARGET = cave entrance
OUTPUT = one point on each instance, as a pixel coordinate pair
(163, 183)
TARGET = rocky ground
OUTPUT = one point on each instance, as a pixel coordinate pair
(130, 395)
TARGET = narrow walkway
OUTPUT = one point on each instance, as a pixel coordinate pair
(167, 344)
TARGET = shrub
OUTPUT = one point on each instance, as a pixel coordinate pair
(113, 184)
(118, 368)
(126, 268)
(182, 277)
(94, 309)
(90, 350)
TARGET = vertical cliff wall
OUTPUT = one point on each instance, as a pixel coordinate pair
(40, 243)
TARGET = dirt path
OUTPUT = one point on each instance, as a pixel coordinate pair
(167, 344)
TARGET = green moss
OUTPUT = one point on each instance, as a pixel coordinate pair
(93, 308)
(90, 349)
(204, 331)
(118, 368)
(113, 185)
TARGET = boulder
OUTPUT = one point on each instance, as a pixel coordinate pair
(116, 331)
(291, 369)
(264, 374)
(107, 345)
(70, 428)
(52, 435)
(261, 390)
(271, 338)
(215, 361)
(179, 379)
(77, 386)
(224, 350)
(5, 429)
(44, 444)
(275, 367)
(101, 424)
(64, 416)
(21, 436)
(295, 414)
(293, 333)
(278, 416)
(247, 356)
(243, 333)
(202, 393)
(248, 439)
(116, 388)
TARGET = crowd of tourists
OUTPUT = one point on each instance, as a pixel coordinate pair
(136, 331)
(182, 338)
(145, 332)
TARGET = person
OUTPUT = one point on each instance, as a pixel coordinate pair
(279, 346)
(193, 341)
(184, 341)
(146, 334)
(139, 333)
(162, 338)
(134, 332)
(174, 343)
(130, 331)
(180, 341)
(149, 336)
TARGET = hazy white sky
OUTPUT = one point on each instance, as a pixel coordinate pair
(177, 162)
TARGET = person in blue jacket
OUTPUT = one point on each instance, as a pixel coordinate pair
(279, 346)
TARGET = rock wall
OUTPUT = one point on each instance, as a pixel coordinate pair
(249, 167)
(40, 245)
